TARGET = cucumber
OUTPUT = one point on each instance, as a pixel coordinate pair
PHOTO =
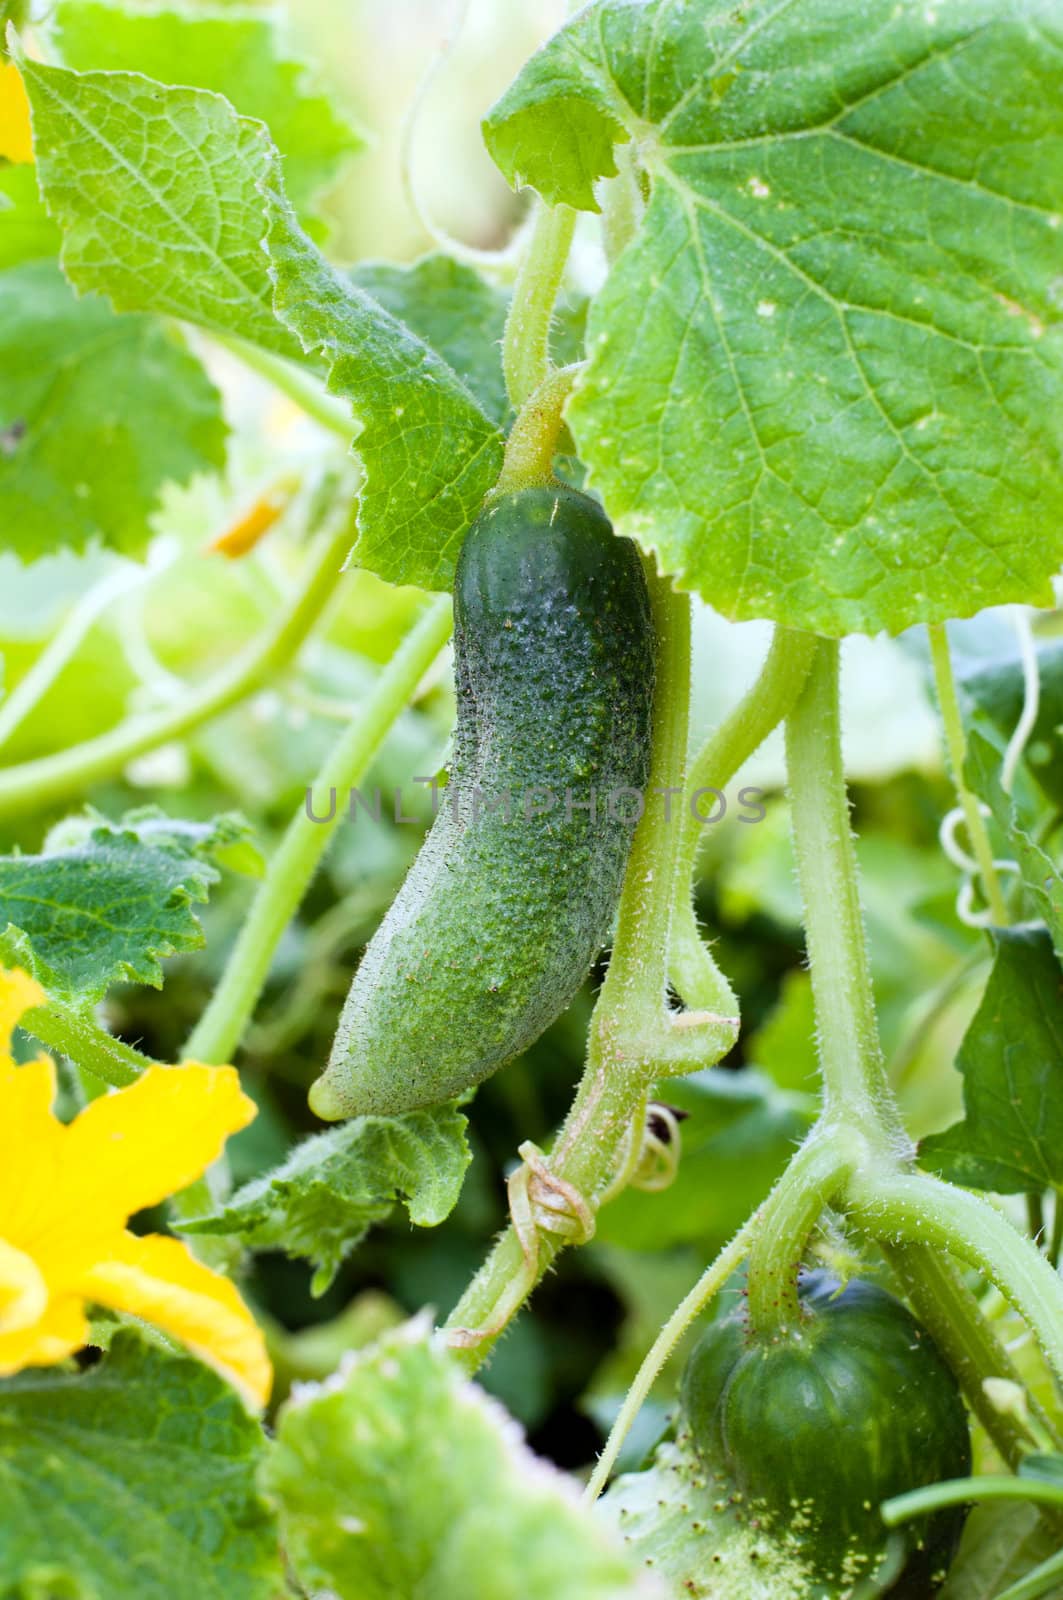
(501, 914)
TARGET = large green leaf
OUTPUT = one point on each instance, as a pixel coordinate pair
(97, 412)
(825, 379)
(400, 1478)
(1011, 1140)
(429, 449)
(235, 53)
(135, 1478)
(108, 901)
(324, 1198)
(157, 192)
(691, 1527)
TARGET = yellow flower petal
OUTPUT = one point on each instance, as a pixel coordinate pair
(61, 1330)
(18, 991)
(16, 141)
(132, 1149)
(23, 1291)
(158, 1279)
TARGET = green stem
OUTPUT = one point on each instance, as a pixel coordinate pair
(787, 1220)
(712, 1279)
(952, 1316)
(1035, 1217)
(958, 1491)
(532, 443)
(301, 387)
(80, 1037)
(1055, 1249)
(925, 1211)
(526, 340)
(693, 970)
(622, 205)
(630, 1017)
(50, 779)
(221, 1026)
(856, 1091)
(956, 744)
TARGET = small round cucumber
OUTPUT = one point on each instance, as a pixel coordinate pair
(514, 890)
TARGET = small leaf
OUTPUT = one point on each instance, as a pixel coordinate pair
(107, 901)
(400, 1477)
(430, 451)
(135, 1477)
(157, 192)
(324, 1198)
(824, 378)
(1002, 1541)
(236, 54)
(1011, 1140)
(1045, 1468)
(1017, 817)
(97, 413)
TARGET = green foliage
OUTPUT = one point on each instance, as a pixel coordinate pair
(429, 450)
(832, 350)
(132, 402)
(108, 901)
(26, 231)
(322, 1200)
(235, 53)
(136, 1476)
(1011, 1139)
(143, 224)
(398, 1478)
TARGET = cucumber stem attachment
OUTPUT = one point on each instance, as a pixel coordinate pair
(532, 443)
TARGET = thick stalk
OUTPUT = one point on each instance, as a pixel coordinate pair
(787, 1220)
(526, 340)
(219, 1030)
(925, 1211)
(532, 443)
(856, 1090)
(79, 1037)
(630, 1013)
(712, 1279)
(50, 779)
(956, 745)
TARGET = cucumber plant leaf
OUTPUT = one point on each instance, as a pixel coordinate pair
(690, 1526)
(824, 379)
(321, 1202)
(1011, 1139)
(97, 413)
(429, 449)
(233, 52)
(156, 191)
(107, 902)
(136, 1476)
(399, 1477)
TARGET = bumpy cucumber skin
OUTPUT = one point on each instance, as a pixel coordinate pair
(498, 921)
(820, 1426)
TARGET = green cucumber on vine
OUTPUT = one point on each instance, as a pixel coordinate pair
(515, 888)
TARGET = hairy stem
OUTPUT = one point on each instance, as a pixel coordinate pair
(956, 745)
(712, 1279)
(952, 1316)
(80, 1037)
(532, 443)
(921, 1210)
(856, 1091)
(526, 340)
(221, 1026)
(50, 779)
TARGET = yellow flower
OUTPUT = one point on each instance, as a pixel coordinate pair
(67, 1191)
(16, 142)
